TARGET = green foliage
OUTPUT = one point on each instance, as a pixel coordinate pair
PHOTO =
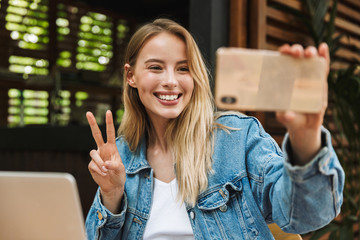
(344, 88)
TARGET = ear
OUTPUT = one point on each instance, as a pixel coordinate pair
(129, 75)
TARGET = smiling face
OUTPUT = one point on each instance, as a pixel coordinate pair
(161, 76)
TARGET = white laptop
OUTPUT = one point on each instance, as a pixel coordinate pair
(38, 206)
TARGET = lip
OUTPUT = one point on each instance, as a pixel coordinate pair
(168, 102)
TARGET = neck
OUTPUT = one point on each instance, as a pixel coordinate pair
(157, 140)
(158, 154)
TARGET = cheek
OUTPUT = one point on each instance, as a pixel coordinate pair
(146, 83)
(188, 85)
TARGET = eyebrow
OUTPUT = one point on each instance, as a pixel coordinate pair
(161, 61)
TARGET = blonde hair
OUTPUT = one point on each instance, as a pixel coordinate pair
(189, 136)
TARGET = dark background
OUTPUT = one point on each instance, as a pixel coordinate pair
(147, 10)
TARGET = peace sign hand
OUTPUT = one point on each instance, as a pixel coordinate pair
(106, 166)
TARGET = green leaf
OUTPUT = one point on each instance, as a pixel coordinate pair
(334, 236)
(346, 233)
(331, 24)
(321, 7)
(332, 227)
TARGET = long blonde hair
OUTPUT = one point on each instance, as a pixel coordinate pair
(189, 136)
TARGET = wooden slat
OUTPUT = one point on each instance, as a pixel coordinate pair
(341, 23)
(345, 25)
(287, 36)
(349, 40)
(348, 11)
(347, 54)
(353, 2)
(271, 46)
(276, 14)
(279, 15)
(257, 23)
(238, 35)
(339, 65)
(293, 3)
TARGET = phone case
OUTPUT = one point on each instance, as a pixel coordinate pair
(264, 80)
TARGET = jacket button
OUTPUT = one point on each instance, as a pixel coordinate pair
(100, 216)
(223, 208)
(192, 215)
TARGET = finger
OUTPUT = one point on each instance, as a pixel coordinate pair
(114, 162)
(285, 49)
(110, 129)
(115, 166)
(112, 165)
(98, 161)
(324, 52)
(95, 130)
(94, 169)
(310, 51)
(325, 97)
(297, 50)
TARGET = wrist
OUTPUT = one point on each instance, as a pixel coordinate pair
(305, 144)
(112, 199)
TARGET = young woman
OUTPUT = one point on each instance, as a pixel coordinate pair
(178, 170)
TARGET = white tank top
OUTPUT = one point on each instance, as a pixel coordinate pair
(168, 217)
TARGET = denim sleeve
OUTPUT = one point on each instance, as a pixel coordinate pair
(315, 189)
(101, 223)
(299, 199)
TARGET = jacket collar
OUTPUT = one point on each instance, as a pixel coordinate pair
(138, 160)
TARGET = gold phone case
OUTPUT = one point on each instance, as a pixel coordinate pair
(264, 80)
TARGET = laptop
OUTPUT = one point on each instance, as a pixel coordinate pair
(40, 205)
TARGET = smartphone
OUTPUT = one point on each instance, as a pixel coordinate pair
(265, 80)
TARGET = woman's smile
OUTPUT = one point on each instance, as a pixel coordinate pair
(168, 98)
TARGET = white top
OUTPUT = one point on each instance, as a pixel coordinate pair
(168, 216)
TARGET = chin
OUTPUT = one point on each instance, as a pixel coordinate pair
(171, 115)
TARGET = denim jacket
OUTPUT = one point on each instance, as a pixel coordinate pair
(253, 184)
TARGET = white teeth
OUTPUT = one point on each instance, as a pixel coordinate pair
(168, 97)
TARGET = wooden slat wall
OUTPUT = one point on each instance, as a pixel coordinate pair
(265, 27)
(347, 23)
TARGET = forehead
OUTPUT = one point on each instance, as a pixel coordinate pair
(164, 43)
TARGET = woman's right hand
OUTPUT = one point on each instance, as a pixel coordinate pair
(106, 166)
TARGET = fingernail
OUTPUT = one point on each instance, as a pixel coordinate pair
(104, 169)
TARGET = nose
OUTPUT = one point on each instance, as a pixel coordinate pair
(170, 80)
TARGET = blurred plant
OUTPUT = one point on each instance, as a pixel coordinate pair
(344, 90)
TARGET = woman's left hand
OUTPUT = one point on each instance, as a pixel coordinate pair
(304, 128)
